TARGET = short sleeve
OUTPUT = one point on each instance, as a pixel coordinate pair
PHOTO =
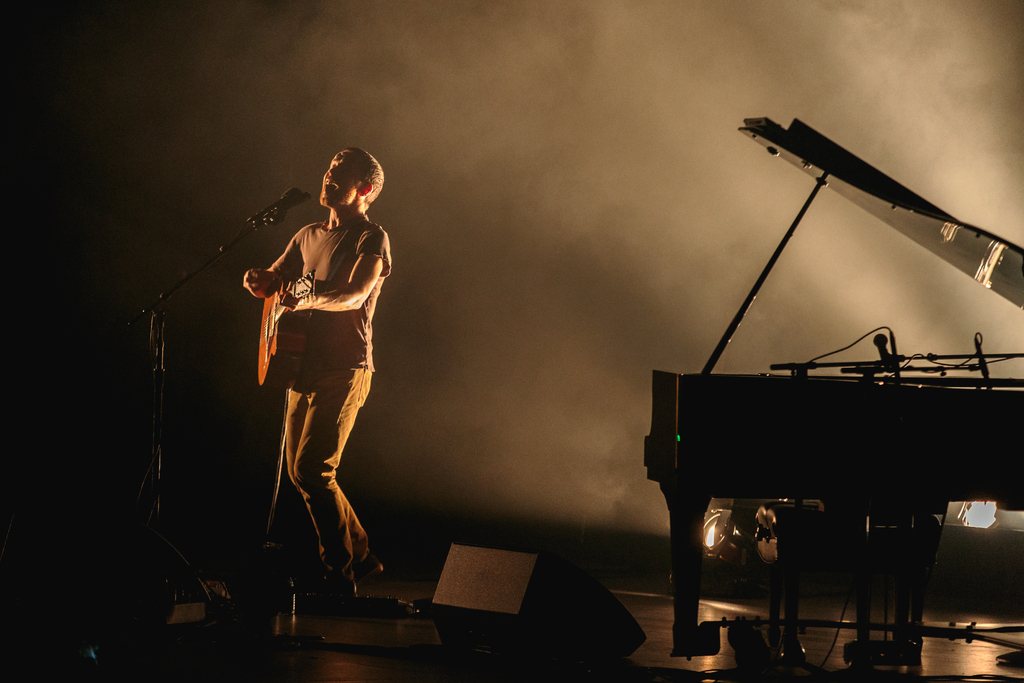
(375, 242)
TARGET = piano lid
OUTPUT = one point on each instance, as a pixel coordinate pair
(989, 259)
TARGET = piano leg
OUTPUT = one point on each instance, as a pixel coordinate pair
(686, 512)
(778, 578)
(792, 651)
(859, 656)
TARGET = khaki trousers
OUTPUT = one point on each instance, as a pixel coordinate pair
(317, 427)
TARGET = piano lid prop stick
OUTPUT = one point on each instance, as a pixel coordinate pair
(738, 318)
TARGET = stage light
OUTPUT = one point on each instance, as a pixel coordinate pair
(978, 514)
(717, 527)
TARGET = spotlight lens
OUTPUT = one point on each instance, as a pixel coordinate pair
(980, 515)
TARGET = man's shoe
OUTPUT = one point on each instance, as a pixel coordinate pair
(336, 584)
(366, 567)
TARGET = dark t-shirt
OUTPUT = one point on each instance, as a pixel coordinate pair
(336, 340)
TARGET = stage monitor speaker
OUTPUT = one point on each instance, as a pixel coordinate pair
(529, 602)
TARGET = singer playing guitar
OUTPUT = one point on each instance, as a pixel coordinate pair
(351, 257)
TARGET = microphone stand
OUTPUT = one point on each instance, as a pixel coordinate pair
(271, 215)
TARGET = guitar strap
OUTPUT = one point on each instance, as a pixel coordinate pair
(333, 271)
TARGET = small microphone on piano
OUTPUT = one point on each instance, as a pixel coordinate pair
(982, 365)
(890, 361)
(882, 342)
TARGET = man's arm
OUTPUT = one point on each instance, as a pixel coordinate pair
(351, 294)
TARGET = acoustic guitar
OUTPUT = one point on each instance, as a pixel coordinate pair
(283, 333)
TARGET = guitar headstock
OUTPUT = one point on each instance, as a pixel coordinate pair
(293, 293)
(305, 286)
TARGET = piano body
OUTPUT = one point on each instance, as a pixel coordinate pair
(864, 441)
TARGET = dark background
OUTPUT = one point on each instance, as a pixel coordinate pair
(569, 203)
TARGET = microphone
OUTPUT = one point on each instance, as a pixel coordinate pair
(982, 365)
(882, 342)
(277, 211)
(292, 197)
(890, 361)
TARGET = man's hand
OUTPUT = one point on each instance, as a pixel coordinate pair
(294, 302)
(262, 283)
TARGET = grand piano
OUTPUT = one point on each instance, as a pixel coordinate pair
(859, 439)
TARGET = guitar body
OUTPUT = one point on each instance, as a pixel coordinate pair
(283, 335)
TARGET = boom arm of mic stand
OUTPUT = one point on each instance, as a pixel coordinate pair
(268, 216)
(265, 217)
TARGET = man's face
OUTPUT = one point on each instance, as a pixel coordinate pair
(341, 183)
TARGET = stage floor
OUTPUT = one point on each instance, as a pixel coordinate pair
(402, 647)
(83, 622)
(374, 649)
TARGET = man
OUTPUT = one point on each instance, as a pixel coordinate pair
(351, 257)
